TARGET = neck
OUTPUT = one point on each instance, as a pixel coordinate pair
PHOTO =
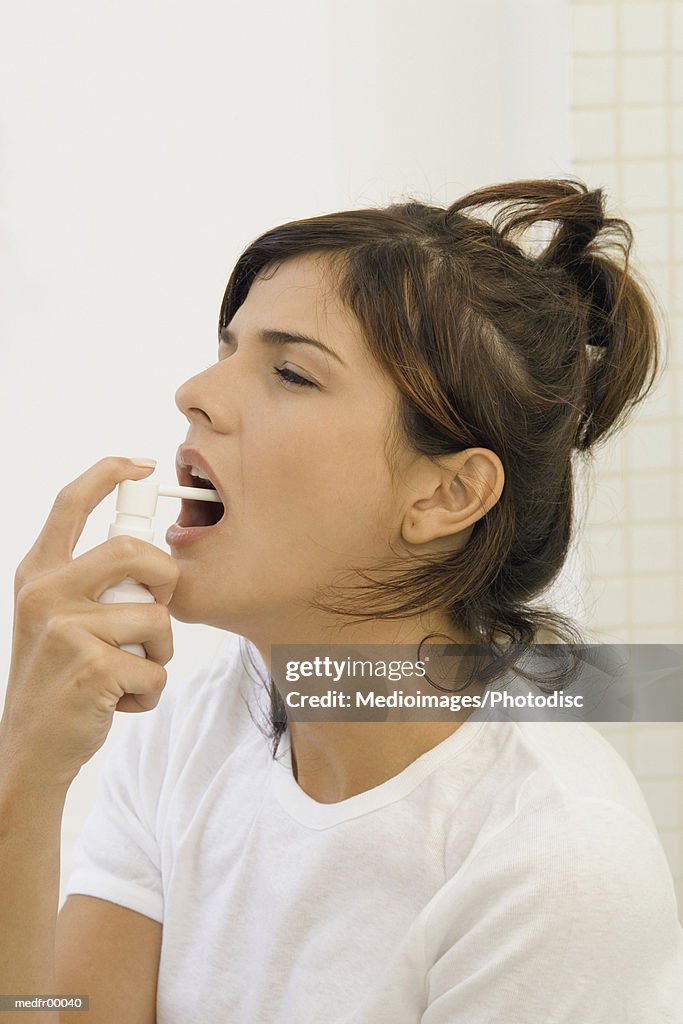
(334, 760)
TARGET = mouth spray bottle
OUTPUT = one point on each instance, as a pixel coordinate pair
(136, 505)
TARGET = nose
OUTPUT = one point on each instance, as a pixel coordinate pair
(187, 397)
(201, 398)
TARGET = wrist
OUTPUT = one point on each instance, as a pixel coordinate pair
(25, 773)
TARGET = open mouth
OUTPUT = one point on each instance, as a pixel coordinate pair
(198, 513)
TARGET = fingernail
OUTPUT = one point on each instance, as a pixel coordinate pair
(144, 463)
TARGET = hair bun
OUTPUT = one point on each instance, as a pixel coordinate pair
(592, 282)
(583, 220)
(582, 216)
(580, 213)
(579, 210)
(616, 305)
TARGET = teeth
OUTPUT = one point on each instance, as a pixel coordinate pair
(196, 471)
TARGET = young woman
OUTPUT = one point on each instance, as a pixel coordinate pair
(391, 425)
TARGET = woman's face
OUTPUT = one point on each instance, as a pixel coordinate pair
(308, 489)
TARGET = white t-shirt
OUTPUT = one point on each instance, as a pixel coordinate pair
(510, 875)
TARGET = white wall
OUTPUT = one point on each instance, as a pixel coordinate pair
(143, 145)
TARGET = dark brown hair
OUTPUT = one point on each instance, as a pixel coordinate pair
(539, 358)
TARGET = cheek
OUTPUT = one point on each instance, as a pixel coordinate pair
(333, 488)
(344, 504)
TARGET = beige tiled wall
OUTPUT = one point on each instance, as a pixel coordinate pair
(627, 124)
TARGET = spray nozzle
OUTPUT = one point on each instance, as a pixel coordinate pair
(136, 505)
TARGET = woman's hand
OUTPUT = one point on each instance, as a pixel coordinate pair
(67, 675)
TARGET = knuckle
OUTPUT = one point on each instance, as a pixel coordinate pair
(159, 676)
(20, 577)
(93, 663)
(168, 653)
(53, 627)
(58, 626)
(124, 547)
(30, 597)
(162, 616)
(65, 496)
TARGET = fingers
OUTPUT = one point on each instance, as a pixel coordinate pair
(139, 682)
(137, 702)
(116, 624)
(64, 525)
(103, 566)
(142, 679)
(136, 683)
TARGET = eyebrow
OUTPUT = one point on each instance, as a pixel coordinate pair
(274, 337)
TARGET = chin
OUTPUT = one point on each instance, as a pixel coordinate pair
(181, 614)
(185, 608)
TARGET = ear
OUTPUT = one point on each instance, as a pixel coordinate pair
(467, 485)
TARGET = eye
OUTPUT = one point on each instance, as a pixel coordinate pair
(293, 378)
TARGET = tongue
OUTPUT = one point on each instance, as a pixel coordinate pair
(199, 513)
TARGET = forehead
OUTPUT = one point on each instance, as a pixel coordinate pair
(300, 296)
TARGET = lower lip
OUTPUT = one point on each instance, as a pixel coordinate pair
(180, 536)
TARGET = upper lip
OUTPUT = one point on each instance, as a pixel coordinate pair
(186, 457)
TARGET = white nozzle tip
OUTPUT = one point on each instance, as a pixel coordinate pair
(190, 493)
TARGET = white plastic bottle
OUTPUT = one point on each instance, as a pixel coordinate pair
(136, 505)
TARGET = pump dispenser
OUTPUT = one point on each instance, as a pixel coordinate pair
(136, 506)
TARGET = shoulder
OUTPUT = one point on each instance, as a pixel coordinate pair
(567, 843)
(154, 778)
(205, 715)
(545, 768)
(200, 718)
(514, 771)
(568, 904)
(216, 690)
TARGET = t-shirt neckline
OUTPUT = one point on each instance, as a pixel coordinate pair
(317, 815)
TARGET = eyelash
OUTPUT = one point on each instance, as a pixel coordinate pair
(293, 378)
(286, 375)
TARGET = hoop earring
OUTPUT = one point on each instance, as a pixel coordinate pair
(444, 689)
